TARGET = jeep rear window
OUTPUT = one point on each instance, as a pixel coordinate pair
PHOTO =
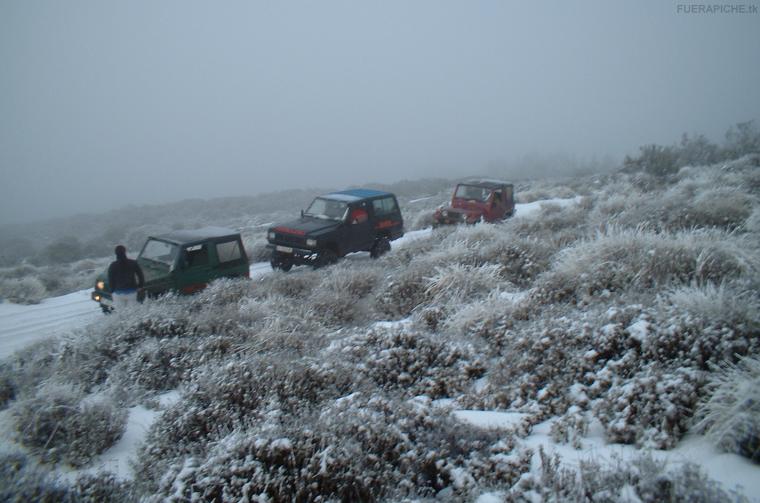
(327, 209)
(159, 251)
(229, 251)
(384, 206)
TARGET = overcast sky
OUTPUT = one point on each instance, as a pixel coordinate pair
(106, 103)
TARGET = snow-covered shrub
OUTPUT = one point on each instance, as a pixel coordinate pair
(715, 207)
(655, 160)
(483, 317)
(7, 385)
(620, 259)
(26, 369)
(731, 415)
(404, 292)
(337, 299)
(653, 408)
(21, 481)
(412, 362)
(540, 363)
(61, 426)
(570, 428)
(160, 364)
(457, 283)
(289, 285)
(643, 479)
(29, 290)
(357, 449)
(521, 257)
(700, 325)
(219, 399)
(102, 488)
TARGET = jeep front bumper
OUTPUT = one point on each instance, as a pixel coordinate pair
(296, 255)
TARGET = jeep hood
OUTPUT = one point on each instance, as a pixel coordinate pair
(306, 226)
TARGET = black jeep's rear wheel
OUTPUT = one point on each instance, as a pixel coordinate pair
(380, 248)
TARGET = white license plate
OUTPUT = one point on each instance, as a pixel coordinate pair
(284, 249)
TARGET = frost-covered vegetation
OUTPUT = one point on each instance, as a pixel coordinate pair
(635, 308)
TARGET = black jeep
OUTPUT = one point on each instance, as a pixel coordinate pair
(337, 224)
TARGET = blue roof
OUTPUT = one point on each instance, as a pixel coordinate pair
(363, 193)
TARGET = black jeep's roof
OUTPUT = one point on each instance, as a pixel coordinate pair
(186, 236)
(487, 184)
(356, 194)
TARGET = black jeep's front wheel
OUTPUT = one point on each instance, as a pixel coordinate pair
(325, 257)
(380, 248)
(279, 262)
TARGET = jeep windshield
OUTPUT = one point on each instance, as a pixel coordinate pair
(472, 192)
(327, 209)
(159, 251)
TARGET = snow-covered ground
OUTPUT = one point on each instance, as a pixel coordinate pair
(23, 325)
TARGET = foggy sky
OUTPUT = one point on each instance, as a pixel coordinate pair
(106, 103)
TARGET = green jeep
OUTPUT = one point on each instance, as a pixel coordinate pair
(183, 261)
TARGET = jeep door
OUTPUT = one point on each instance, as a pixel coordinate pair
(358, 228)
(195, 268)
(387, 220)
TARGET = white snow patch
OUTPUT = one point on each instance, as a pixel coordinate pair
(489, 418)
(22, 325)
(530, 209)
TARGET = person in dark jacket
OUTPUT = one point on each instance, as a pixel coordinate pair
(125, 278)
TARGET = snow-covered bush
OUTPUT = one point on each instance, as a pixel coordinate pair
(619, 259)
(219, 399)
(404, 292)
(62, 426)
(642, 479)
(412, 362)
(703, 325)
(7, 385)
(26, 369)
(653, 408)
(160, 364)
(21, 480)
(731, 415)
(101, 488)
(540, 363)
(28, 290)
(357, 449)
(457, 283)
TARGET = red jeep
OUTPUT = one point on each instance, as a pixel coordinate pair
(475, 201)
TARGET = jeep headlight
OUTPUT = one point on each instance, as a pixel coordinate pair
(270, 235)
(445, 213)
(311, 243)
(100, 285)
